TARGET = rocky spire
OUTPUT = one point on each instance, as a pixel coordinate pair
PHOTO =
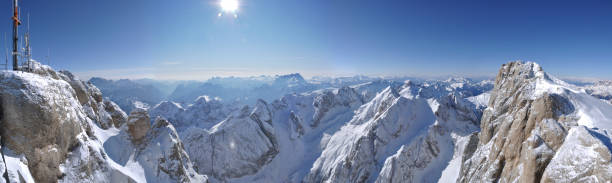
(523, 127)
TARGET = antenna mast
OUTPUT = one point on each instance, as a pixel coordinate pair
(16, 23)
(6, 52)
(28, 49)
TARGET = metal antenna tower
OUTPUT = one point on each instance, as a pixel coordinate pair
(48, 55)
(27, 48)
(16, 24)
(6, 52)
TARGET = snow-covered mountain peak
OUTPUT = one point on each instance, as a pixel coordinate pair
(290, 80)
(262, 112)
(169, 105)
(532, 111)
(205, 99)
(532, 77)
(376, 106)
(531, 82)
(291, 77)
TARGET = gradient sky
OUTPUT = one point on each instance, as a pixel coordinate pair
(186, 39)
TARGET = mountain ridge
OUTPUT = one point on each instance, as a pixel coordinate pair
(526, 126)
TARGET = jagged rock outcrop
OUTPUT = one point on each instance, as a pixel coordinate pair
(408, 164)
(584, 157)
(138, 124)
(117, 116)
(46, 115)
(163, 157)
(296, 128)
(239, 145)
(344, 96)
(509, 125)
(105, 112)
(89, 162)
(158, 156)
(38, 120)
(525, 125)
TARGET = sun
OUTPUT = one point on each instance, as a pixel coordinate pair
(229, 5)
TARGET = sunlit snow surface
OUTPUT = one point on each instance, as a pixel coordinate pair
(591, 112)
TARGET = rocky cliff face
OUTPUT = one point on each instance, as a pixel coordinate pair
(55, 128)
(138, 124)
(525, 126)
(42, 115)
(163, 157)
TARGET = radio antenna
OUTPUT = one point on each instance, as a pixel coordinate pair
(16, 24)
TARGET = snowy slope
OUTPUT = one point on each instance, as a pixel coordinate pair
(590, 111)
(238, 146)
(601, 90)
(283, 137)
(389, 130)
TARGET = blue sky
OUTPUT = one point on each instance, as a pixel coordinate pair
(186, 39)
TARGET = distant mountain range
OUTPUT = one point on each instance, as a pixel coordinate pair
(525, 126)
(246, 90)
